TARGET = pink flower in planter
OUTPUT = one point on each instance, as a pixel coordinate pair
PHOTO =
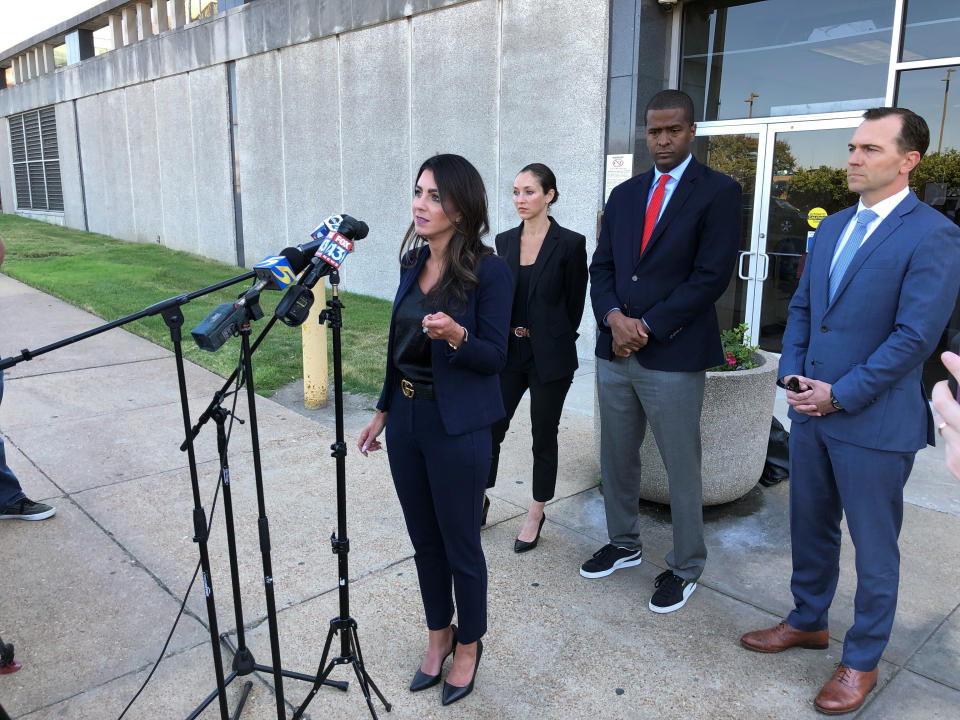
(731, 360)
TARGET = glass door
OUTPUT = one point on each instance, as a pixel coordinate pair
(804, 180)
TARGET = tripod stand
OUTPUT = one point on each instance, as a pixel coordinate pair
(243, 660)
(343, 624)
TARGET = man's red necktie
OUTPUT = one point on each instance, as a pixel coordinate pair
(653, 211)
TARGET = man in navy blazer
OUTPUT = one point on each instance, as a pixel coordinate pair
(666, 251)
(877, 291)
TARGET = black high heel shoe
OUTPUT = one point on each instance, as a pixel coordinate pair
(521, 546)
(422, 681)
(483, 514)
(452, 693)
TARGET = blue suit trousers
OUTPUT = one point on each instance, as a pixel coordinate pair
(830, 478)
(440, 480)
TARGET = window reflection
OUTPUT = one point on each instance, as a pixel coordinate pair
(782, 57)
(931, 30)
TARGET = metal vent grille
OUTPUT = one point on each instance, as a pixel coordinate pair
(35, 156)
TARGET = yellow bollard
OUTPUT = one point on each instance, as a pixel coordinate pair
(314, 338)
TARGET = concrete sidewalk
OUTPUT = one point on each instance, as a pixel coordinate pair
(89, 595)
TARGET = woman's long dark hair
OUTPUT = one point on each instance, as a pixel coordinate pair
(461, 193)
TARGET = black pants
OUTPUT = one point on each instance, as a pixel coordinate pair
(439, 481)
(546, 404)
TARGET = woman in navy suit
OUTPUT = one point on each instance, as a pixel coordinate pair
(448, 341)
(549, 267)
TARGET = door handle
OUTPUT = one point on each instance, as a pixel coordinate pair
(740, 273)
(766, 265)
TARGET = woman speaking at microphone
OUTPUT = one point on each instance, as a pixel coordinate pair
(549, 268)
(441, 394)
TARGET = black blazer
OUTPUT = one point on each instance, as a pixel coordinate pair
(558, 289)
(684, 271)
(465, 380)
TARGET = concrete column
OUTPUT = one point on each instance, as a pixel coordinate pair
(130, 25)
(49, 64)
(37, 54)
(116, 29)
(179, 13)
(3, 78)
(18, 69)
(144, 20)
(79, 46)
(163, 20)
(31, 64)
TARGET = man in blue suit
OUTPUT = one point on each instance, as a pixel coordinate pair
(666, 251)
(877, 291)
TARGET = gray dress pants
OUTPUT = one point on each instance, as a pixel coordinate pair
(630, 396)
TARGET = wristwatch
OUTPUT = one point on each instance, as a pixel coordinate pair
(836, 403)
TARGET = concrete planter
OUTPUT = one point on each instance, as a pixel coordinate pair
(735, 427)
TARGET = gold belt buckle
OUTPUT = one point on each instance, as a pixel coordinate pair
(406, 387)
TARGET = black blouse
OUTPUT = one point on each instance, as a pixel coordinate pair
(411, 346)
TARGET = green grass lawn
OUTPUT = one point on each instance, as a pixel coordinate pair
(114, 278)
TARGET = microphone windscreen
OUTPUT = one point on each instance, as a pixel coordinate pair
(298, 261)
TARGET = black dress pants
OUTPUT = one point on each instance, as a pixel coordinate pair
(546, 405)
(439, 480)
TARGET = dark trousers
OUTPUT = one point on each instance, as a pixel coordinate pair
(440, 480)
(830, 478)
(546, 405)
(10, 490)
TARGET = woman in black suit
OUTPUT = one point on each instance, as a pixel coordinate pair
(448, 341)
(549, 267)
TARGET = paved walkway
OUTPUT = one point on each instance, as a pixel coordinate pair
(88, 596)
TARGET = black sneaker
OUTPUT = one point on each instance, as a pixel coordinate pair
(671, 593)
(609, 558)
(26, 509)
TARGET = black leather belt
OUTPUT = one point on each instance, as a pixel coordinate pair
(411, 389)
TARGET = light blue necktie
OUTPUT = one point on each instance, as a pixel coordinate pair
(864, 218)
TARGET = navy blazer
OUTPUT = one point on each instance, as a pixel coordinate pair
(886, 318)
(558, 287)
(465, 381)
(686, 267)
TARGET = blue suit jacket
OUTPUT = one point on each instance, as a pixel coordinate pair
(466, 381)
(683, 272)
(870, 342)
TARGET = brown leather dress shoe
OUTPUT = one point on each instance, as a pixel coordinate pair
(845, 691)
(783, 636)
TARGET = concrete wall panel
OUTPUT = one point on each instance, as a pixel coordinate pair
(454, 104)
(8, 200)
(69, 167)
(377, 182)
(178, 188)
(214, 173)
(88, 120)
(144, 162)
(115, 152)
(553, 86)
(260, 151)
(311, 136)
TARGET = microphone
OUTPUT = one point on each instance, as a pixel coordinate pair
(332, 241)
(336, 237)
(275, 273)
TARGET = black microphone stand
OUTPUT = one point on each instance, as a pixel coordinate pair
(169, 309)
(343, 624)
(243, 660)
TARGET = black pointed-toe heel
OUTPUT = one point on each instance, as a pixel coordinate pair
(483, 514)
(422, 681)
(521, 546)
(452, 693)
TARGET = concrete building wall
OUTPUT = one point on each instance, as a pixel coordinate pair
(178, 189)
(70, 183)
(339, 121)
(210, 132)
(8, 200)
